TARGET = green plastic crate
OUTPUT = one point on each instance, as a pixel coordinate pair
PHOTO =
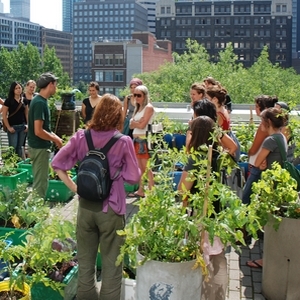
(130, 187)
(40, 291)
(58, 191)
(27, 166)
(17, 235)
(12, 181)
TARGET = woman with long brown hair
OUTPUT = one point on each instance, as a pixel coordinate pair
(98, 222)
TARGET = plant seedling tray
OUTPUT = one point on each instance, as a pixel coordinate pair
(26, 164)
(58, 191)
(12, 180)
(40, 291)
(130, 187)
(17, 235)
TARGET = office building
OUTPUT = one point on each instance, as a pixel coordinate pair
(67, 12)
(14, 31)
(63, 44)
(151, 9)
(115, 62)
(110, 20)
(248, 25)
(20, 9)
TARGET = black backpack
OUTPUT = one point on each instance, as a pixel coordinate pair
(93, 178)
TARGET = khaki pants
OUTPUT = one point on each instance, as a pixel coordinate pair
(94, 227)
(215, 287)
(40, 170)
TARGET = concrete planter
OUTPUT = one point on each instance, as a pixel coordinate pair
(281, 262)
(174, 281)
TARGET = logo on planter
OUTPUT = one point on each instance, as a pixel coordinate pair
(160, 291)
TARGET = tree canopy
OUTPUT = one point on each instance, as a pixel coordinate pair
(171, 83)
(25, 62)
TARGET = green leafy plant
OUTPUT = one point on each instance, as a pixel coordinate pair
(21, 208)
(275, 195)
(35, 260)
(164, 230)
(245, 134)
(10, 162)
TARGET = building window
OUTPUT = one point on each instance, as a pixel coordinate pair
(109, 76)
(109, 59)
(119, 76)
(99, 75)
(119, 59)
(162, 10)
(99, 59)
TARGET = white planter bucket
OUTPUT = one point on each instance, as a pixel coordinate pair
(170, 281)
(128, 289)
(281, 261)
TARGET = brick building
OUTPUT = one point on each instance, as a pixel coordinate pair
(114, 63)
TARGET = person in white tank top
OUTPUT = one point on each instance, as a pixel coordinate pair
(142, 116)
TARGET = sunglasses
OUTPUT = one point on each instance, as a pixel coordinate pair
(137, 95)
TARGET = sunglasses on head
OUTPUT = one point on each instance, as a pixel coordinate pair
(137, 95)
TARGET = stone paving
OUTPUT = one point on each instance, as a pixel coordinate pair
(244, 282)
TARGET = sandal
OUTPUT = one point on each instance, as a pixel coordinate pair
(254, 263)
(134, 195)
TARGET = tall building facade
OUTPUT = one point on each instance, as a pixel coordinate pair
(114, 63)
(1, 7)
(67, 12)
(248, 24)
(63, 44)
(14, 31)
(151, 8)
(109, 20)
(20, 9)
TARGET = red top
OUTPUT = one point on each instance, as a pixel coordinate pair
(225, 122)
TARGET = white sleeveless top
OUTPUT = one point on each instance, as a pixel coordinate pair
(137, 117)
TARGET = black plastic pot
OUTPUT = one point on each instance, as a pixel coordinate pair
(68, 101)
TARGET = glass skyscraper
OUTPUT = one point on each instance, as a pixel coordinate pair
(20, 8)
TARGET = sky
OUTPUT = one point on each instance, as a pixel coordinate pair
(47, 13)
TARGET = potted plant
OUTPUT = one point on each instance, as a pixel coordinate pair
(19, 210)
(245, 134)
(57, 191)
(277, 203)
(44, 260)
(10, 173)
(165, 236)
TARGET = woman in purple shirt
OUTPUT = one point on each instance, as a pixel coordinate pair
(97, 223)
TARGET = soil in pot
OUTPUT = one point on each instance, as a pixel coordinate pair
(5, 295)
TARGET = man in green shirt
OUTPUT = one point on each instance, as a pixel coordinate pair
(40, 136)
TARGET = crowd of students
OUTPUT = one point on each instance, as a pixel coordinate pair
(104, 116)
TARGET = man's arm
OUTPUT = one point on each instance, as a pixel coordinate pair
(45, 135)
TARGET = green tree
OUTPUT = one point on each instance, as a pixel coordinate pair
(171, 83)
(6, 71)
(27, 62)
(51, 63)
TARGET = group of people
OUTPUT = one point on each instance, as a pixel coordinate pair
(97, 223)
(15, 114)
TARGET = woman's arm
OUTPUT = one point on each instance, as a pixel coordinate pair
(258, 140)
(63, 175)
(125, 107)
(228, 143)
(142, 123)
(260, 161)
(5, 119)
(83, 111)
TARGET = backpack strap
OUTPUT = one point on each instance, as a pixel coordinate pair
(89, 140)
(108, 145)
(111, 142)
(281, 149)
